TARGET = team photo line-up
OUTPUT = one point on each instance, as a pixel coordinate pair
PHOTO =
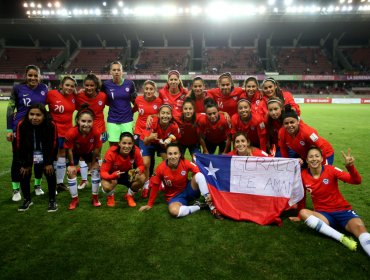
(259, 120)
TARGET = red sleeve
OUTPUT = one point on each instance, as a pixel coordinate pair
(139, 160)
(154, 184)
(353, 177)
(176, 131)
(288, 97)
(107, 166)
(282, 145)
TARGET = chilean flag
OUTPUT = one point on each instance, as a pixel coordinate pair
(256, 189)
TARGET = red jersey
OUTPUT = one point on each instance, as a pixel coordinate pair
(288, 99)
(255, 153)
(96, 104)
(324, 190)
(255, 129)
(228, 103)
(214, 133)
(273, 139)
(258, 104)
(82, 144)
(199, 103)
(174, 181)
(302, 141)
(113, 161)
(145, 109)
(61, 108)
(163, 132)
(175, 100)
(188, 131)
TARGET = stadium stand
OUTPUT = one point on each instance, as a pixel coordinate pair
(359, 58)
(302, 60)
(236, 60)
(159, 60)
(94, 60)
(14, 59)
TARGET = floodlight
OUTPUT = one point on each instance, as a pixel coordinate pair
(86, 12)
(120, 4)
(271, 2)
(25, 5)
(39, 6)
(34, 12)
(288, 2)
(104, 4)
(32, 5)
(57, 4)
(349, 2)
(114, 11)
(97, 12)
(28, 13)
(50, 5)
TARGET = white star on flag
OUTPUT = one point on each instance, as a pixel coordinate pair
(211, 170)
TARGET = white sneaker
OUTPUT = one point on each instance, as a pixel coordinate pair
(83, 184)
(16, 195)
(38, 190)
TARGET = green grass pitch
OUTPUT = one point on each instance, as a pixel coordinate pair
(122, 243)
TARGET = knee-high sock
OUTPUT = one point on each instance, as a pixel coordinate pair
(95, 180)
(72, 184)
(318, 225)
(83, 169)
(365, 242)
(202, 183)
(61, 169)
(187, 210)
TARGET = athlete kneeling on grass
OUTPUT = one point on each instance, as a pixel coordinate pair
(178, 190)
(83, 144)
(331, 209)
(117, 168)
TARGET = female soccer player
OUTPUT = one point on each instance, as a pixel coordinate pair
(188, 128)
(254, 96)
(36, 145)
(331, 210)
(123, 165)
(83, 145)
(271, 88)
(178, 190)
(120, 94)
(96, 100)
(274, 121)
(146, 105)
(30, 91)
(198, 94)
(162, 132)
(226, 95)
(251, 123)
(214, 130)
(242, 147)
(299, 137)
(173, 93)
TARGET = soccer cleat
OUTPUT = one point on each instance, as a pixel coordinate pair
(145, 193)
(74, 203)
(38, 190)
(110, 201)
(349, 243)
(217, 214)
(95, 200)
(16, 195)
(53, 206)
(201, 205)
(130, 200)
(25, 205)
(83, 184)
(61, 187)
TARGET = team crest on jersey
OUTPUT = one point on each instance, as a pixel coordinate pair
(235, 98)
(262, 125)
(325, 181)
(92, 140)
(253, 128)
(183, 173)
(127, 89)
(73, 100)
(100, 102)
(42, 92)
(132, 161)
(302, 143)
(155, 107)
(257, 102)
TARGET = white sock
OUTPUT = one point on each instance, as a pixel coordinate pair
(108, 193)
(95, 180)
(365, 242)
(130, 192)
(146, 185)
(61, 169)
(187, 210)
(202, 183)
(318, 225)
(72, 184)
(83, 169)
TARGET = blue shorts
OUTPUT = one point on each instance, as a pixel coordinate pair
(212, 147)
(150, 149)
(60, 142)
(186, 196)
(192, 149)
(86, 157)
(339, 218)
